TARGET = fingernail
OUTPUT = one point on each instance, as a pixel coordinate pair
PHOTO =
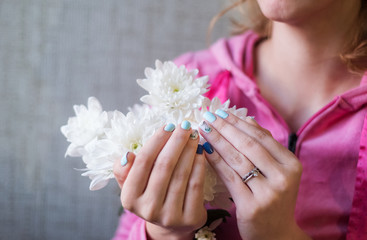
(251, 118)
(200, 149)
(208, 148)
(169, 127)
(205, 127)
(210, 116)
(186, 125)
(194, 135)
(124, 159)
(221, 113)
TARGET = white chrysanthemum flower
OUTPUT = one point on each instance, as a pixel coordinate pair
(127, 133)
(175, 95)
(174, 90)
(205, 234)
(212, 105)
(87, 125)
(99, 170)
(209, 183)
(215, 192)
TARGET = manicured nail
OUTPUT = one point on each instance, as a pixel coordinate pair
(200, 149)
(186, 125)
(194, 135)
(124, 159)
(210, 116)
(208, 148)
(221, 113)
(205, 127)
(251, 117)
(169, 127)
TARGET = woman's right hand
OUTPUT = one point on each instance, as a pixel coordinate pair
(164, 183)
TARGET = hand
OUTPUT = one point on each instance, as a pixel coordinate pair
(265, 203)
(165, 184)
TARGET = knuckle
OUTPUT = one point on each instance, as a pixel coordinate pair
(215, 138)
(196, 186)
(298, 168)
(249, 142)
(236, 158)
(150, 212)
(197, 219)
(165, 164)
(235, 120)
(282, 183)
(260, 134)
(220, 125)
(168, 221)
(182, 175)
(142, 157)
(149, 215)
(143, 164)
(214, 160)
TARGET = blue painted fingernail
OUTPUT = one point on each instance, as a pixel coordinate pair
(200, 149)
(221, 113)
(169, 127)
(124, 159)
(210, 116)
(205, 127)
(186, 125)
(208, 148)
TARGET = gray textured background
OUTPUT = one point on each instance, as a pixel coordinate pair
(56, 53)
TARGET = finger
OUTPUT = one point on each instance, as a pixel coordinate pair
(231, 155)
(245, 144)
(262, 135)
(165, 164)
(229, 176)
(194, 197)
(242, 173)
(121, 167)
(178, 184)
(140, 171)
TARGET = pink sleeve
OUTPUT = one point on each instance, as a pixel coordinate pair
(130, 227)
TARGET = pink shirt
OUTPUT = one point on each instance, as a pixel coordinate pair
(331, 145)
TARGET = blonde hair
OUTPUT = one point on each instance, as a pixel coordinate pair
(354, 54)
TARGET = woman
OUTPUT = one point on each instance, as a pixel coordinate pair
(302, 77)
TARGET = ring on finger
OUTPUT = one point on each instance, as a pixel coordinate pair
(253, 173)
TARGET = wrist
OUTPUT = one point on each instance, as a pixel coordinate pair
(157, 232)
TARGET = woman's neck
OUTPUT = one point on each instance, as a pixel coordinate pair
(299, 69)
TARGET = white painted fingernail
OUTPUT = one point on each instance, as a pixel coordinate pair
(194, 135)
(205, 127)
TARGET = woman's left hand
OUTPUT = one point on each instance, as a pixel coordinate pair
(265, 203)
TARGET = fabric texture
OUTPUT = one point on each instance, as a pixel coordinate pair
(331, 145)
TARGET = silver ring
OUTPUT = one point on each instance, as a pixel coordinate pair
(253, 173)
